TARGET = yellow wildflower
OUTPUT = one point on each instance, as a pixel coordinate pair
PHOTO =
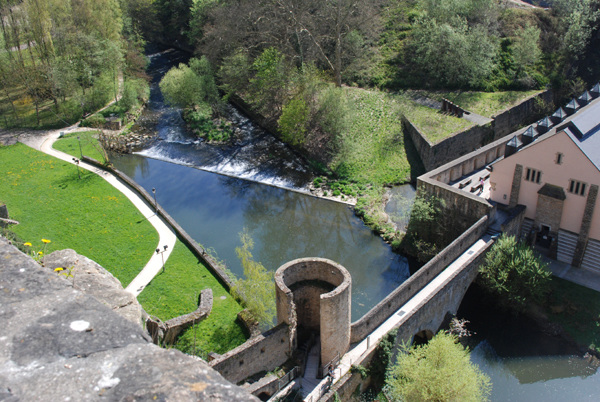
(45, 241)
(40, 252)
(58, 269)
(27, 244)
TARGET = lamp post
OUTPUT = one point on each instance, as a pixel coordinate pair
(162, 256)
(80, 151)
(155, 204)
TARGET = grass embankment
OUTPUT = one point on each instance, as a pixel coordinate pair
(175, 292)
(577, 309)
(88, 215)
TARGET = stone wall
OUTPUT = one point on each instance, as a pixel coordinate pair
(168, 331)
(461, 143)
(261, 353)
(512, 225)
(198, 251)
(520, 115)
(378, 314)
(59, 343)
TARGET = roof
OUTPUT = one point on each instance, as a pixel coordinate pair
(584, 130)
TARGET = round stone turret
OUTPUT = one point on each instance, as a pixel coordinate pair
(313, 297)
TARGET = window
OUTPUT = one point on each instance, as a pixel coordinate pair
(577, 187)
(533, 175)
(559, 158)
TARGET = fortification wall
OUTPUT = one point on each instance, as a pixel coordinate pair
(378, 314)
(264, 352)
(461, 143)
(519, 115)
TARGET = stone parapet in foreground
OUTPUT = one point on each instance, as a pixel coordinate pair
(58, 343)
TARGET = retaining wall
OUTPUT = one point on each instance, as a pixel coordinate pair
(264, 352)
(435, 155)
(378, 314)
(196, 249)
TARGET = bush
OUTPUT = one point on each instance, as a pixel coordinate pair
(95, 121)
(514, 273)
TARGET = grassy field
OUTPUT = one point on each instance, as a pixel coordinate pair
(175, 292)
(69, 144)
(374, 150)
(88, 215)
(434, 125)
(577, 309)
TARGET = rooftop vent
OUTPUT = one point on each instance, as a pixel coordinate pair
(558, 116)
(585, 98)
(528, 136)
(595, 91)
(572, 106)
(544, 125)
(512, 146)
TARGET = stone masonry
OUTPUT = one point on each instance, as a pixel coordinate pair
(516, 186)
(585, 226)
(59, 343)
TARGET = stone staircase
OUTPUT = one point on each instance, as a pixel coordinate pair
(566, 246)
(309, 380)
(591, 258)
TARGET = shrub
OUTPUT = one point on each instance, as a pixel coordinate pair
(95, 120)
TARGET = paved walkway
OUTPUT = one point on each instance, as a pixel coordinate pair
(585, 277)
(43, 141)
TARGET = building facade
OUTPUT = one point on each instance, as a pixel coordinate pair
(555, 174)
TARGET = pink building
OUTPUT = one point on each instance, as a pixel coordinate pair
(555, 174)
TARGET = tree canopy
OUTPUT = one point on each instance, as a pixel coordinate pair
(440, 370)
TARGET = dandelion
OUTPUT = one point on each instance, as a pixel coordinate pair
(45, 241)
(40, 252)
(58, 269)
(27, 244)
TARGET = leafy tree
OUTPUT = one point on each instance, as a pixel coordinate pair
(268, 86)
(437, 371)
(293, 121)
(189, 86)
(426, 227)
(234, 73)
(525, 48)
(257, 290)
(513, 272)
(578, 19)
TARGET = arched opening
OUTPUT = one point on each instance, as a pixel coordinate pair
(264, 396)
(422, 337)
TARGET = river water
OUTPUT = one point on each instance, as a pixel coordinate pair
(204, 188)
(252, 192)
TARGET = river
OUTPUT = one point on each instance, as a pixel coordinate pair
(216, 192)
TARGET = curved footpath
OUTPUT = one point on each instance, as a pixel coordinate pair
(166, 235)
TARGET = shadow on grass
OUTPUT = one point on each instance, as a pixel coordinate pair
(75, 178)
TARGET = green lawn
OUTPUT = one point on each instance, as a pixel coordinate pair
(89, 145)
(175, 292)
(88, 215)
(577, 309)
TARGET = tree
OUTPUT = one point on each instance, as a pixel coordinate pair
(293, 121)
(514, 273)
(437, 371)
(189, 86)
(257, 290)
(578, 19)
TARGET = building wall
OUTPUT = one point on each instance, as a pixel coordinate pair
(541, 156)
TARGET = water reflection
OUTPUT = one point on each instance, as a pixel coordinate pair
(285, 225)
